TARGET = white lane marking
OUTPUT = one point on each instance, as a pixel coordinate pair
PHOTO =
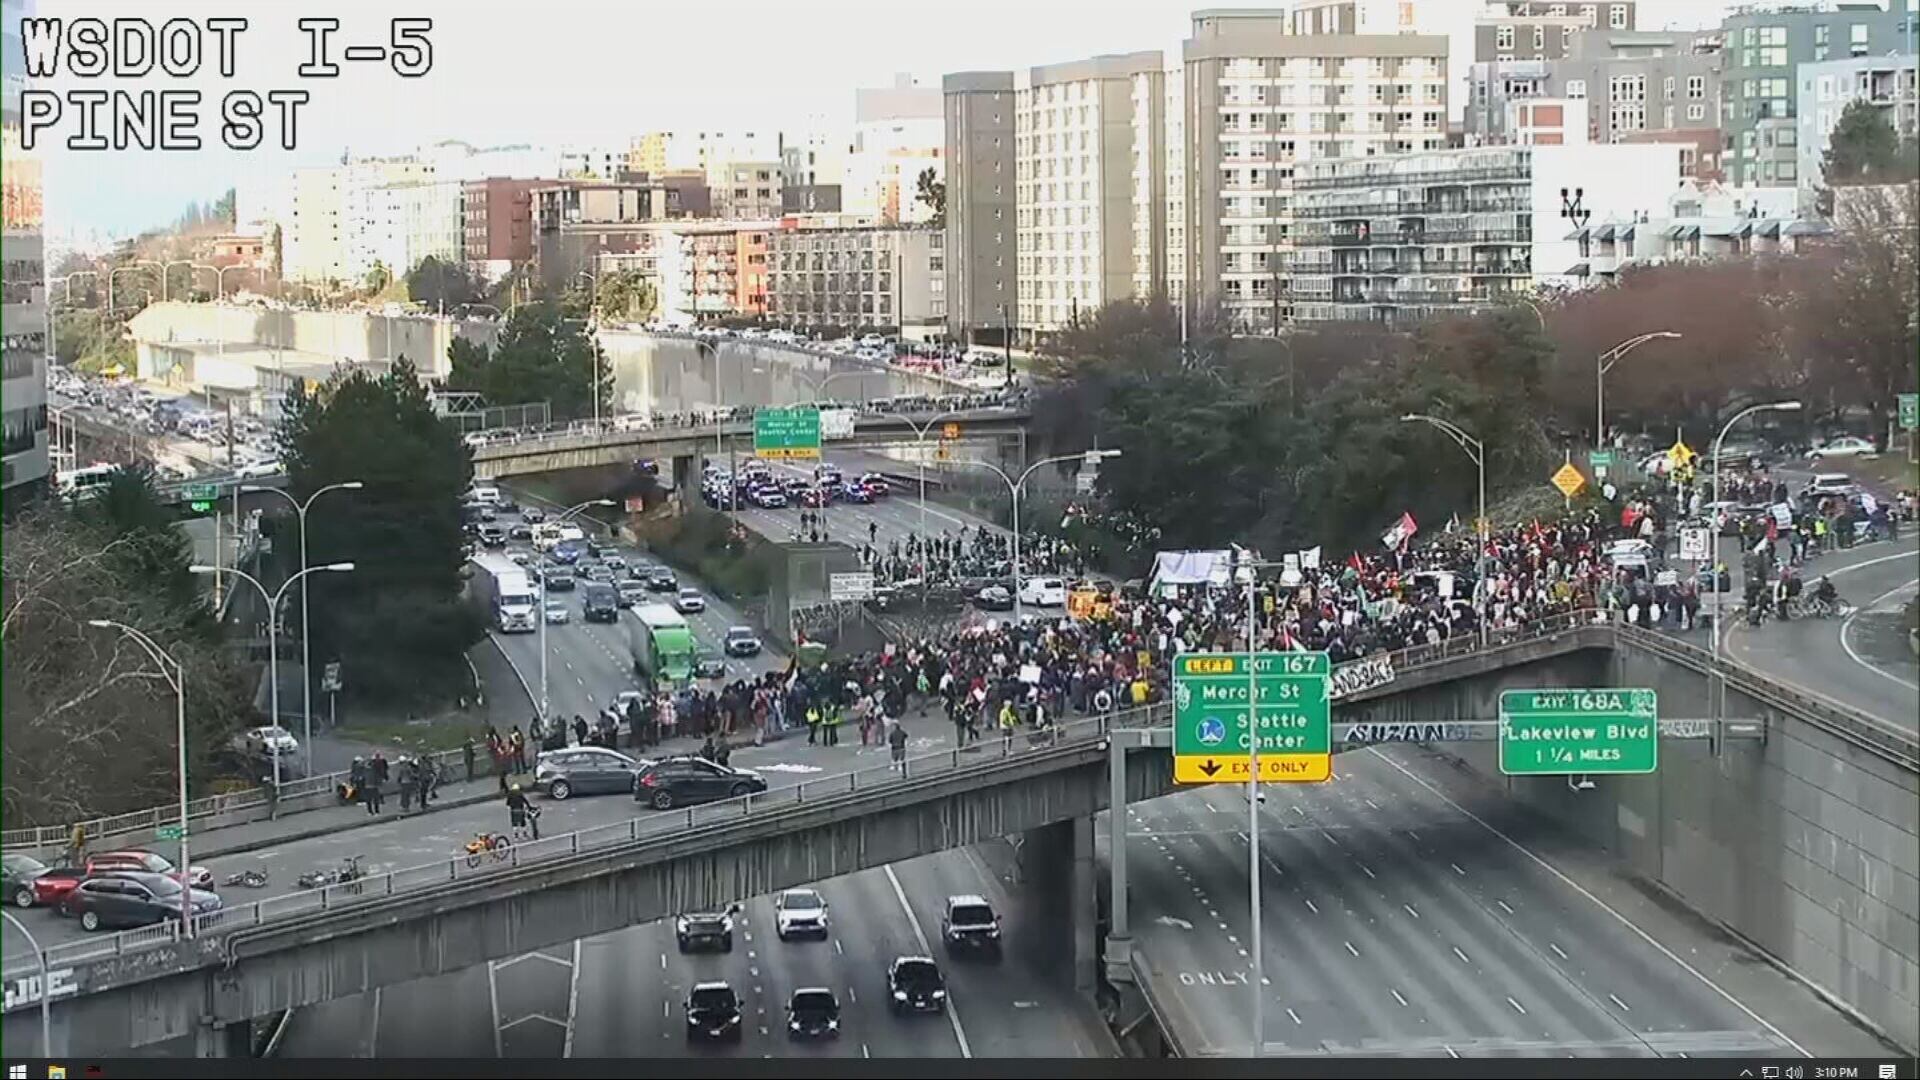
(1847, 626)
(373, 1033)
(837, 950)
(864, 1052)
(663, 961)
(1517, 1007)
(1624, 1007)
(1557, 951)
(1397, 997)
(666, 1010)
(1410, 910)
(1602, 905)
(852, 998)
(1461, 955)
(920, 936)
(1451, 1052)
(512, 960)
(1351, 951)
(1293, 1015)
(1414, 836)
(1504, 907)
(573, 1000)
(1457, 870)
(1371, 805)
(1367, 870)
(1310, 905)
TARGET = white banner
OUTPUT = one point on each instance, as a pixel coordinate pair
(1310, 559)
(1696, 543)
(850, 586)
(1357, 675)
(1783, 515)
(836, 423)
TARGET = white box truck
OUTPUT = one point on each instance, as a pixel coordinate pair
(502, 591)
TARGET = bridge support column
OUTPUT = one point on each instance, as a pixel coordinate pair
(212, 1040)
(1119, 952)
(1056, 865)
(686, 481)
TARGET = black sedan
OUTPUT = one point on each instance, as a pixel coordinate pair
(914, 984)
(677, 781)
(713, 1013)
(994, 598)
(813, 1013)
(111, 901)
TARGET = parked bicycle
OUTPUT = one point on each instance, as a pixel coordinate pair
(484, 844)
(348, 873)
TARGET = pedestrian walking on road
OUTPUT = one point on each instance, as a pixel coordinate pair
(897, 740)
(813, 723)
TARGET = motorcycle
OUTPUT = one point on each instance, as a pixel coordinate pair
(348, 873)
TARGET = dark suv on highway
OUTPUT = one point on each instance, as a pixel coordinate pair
(970, 923)
(914, 984)
(713, 1013)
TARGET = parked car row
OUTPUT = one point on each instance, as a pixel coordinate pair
(115, 889)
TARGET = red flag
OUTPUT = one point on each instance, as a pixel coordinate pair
(1353, 560)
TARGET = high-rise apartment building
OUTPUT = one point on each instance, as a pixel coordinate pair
(339, 226)
(858, 277)
(980, 241)
(1260, 102)
(23, 295)
(1765, 46)
(1533, 30)
(1090, 195)
(1887, 83)
(496, 220)
(1174, 80)
(744, 189)
(898, 133)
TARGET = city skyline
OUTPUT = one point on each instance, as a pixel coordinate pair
(809, 74)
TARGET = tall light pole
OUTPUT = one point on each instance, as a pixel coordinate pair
(113, 273)
(919, 437)
(177, 678)
(1604, 364)
(541, 615)
(306, 653)
(1713, 565)
(819, 387)
(720, 430)
(1476, 450)
(1014, 488)
(219, 276)
(273, 640)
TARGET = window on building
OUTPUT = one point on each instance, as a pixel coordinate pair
(1696, 87)
(1617, 16)
(1576, 88)
(1696, 111)
(1822, 34)
(1539, 38)
(1503, 37)
(1666, 86)
(1857, 39)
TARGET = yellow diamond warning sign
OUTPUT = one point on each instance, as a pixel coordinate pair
(1569, 480)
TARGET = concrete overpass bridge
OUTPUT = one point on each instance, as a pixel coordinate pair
(1724, 824)
(584, 446)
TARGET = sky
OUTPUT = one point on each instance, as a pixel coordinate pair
(565, 71)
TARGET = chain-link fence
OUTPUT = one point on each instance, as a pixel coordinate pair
(534, 414)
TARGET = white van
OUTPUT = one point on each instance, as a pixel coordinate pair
(485, 495)
(1044, 592)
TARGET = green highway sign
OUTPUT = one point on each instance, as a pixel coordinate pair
(787, 433)
(1212, 732)
(1600, 459)
(1910, 411)
(202, 492)
(168, 832)
(1556, 732)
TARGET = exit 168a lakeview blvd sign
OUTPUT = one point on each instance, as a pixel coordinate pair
(1557, 732)
(1213, 724)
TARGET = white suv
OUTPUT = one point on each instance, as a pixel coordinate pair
(799, 911)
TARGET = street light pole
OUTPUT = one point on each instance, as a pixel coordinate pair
(46, 990)
(1476, 450)
(273, 641)
(1014, 487)
(560, 519)
(919, 437)
(306, 654)
(1604, 364)
(178, 680)
(1253, 810)
(1713, 568)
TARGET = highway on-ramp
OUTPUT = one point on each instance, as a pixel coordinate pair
(1398, 921)
(1860, 658)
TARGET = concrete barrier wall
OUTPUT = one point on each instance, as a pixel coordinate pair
(348, 335)
(1805, 845)
(675, 374)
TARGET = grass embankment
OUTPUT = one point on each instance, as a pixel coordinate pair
(738, 570)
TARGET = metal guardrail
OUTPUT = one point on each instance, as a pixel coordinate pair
(590, 432)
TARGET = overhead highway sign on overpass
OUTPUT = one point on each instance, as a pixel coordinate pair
(1554, 732)
(1212, 730)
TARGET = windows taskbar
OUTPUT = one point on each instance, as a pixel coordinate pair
(795, 1068)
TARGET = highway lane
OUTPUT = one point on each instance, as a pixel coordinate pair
(1396, 924)
(881, 522)
(1861, 659)
(620, 994)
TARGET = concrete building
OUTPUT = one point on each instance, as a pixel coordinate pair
(898, 133)
(435, 217)
(699, 269)
(577, 223)
(889, 276)
(1262, 102)
(1702, 220)
(1173, 82)
(1547, 121)
(601, 162)
(497, 224)
(340, 226)
(453, 159)
(1826, 89)
(314, 251)
(747, 189)
(980, 242)
(1397, 238)
(817, 157)
(1090, 189)
(1765, 47)
(255, 248)
(23, 293)
(1533, 30)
